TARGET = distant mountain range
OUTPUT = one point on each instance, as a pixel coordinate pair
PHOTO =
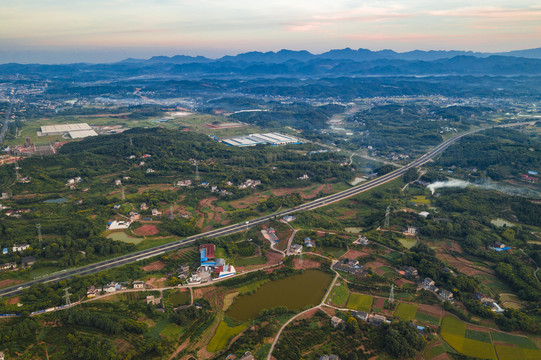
(341, 54)
(289, 63)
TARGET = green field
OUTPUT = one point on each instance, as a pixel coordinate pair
(360, 302)
(256, 260)
(434, 351)
(478, 335)
(406, 312)
(178, 298)
(420, 200)
(427, 318)
(339, 295)
(520, 341)
(407, 243)
(513, 353)
(223, 334)
(172, 330)
(478, 349)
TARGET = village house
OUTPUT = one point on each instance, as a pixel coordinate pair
(411, 230)
(360, 315)
(329, 357)
(308, 242)
(156, 212)
(351, 266)
(92, 292)
(183, 271)
(409, 271)
(21, 247)
(335, 321)
(247, 356)
(112, 287)
(428, 284)
(362, 240)
(153, 301)
(143, 206)
(446, 295)
(296, 249)
(376, 320)
(138, 284)
(118, 182)
(8, 266)
(28, 260)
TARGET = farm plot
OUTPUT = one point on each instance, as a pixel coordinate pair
(406, 312)
(360, 302)
(512, 353)
(426, 318)
(223, 335)
(453, 331)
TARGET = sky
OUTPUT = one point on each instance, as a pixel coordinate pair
(63, 31)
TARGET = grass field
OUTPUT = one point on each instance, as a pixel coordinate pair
(408, 243)
(420, 200)
(156, 330)
(359, 302)
(520, 341)
(406, 312)
(478, 349)
(172, 330)
(223, 334)
(256, 260)
(339, 295)
(427, 318)
(434, 351)
(478, 335)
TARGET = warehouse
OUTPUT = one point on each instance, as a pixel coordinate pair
(63, 129)
(256, 139)
(81, 134)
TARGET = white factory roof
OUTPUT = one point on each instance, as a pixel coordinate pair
(82, 134)
(254, 139)
(64, 128)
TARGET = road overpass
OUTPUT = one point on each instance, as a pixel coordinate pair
(230, 229)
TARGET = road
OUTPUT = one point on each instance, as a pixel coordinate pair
(6, 121)
(230, 229)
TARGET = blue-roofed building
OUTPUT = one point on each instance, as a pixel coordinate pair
(4, 251)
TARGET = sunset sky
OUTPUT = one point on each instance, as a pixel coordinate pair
(55, 31)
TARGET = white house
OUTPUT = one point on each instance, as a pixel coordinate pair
(19, 248)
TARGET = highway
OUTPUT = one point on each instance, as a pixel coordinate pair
(323, 201)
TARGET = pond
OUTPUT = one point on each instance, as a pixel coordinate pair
(122, 236)
(56, 201)
(295, 292)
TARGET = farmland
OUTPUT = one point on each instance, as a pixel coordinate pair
(360, 302)
(480, 344)
(405, 311)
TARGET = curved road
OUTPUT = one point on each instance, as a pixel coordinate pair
(158, 250)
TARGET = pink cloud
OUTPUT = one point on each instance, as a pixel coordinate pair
(308, 26)
(490, 12)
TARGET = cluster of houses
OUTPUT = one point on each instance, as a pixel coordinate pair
(491, 303)
(250, 184)
(112, 287)
(351, 266)
(372, 319)
(429, 285)
(270, 234)
(71, 182)
(210, 264)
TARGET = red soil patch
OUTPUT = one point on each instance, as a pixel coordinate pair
(465, 266)
(13, 301)
(305, 263)
(401, 281)
(156, 283)
(155, 266)
(378, 302)
(443, 356)
(433, 310)
(146, 230)
(9, 282)
(245, 203)
(354, 254)
(379, 272)
(375, 264)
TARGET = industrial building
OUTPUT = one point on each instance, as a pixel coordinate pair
(63, 129)
(75, 131)
(264, 139)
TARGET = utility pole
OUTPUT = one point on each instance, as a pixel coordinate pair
(391, 295)
(38, 227)
(67, 296)
(387, 213)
